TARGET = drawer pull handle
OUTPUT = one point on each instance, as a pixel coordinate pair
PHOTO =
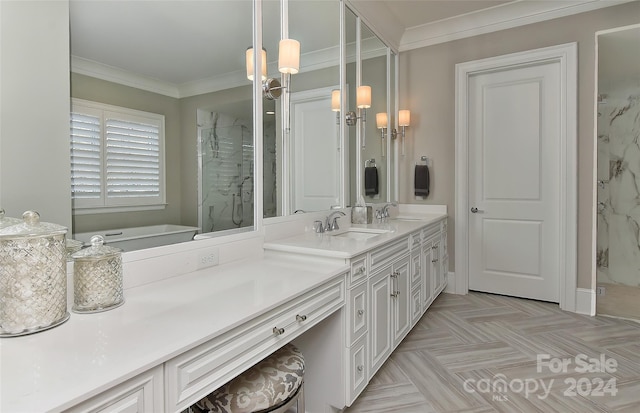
(435, 247)
(360, 368)
(278, 331)
(361, 270)
(395, 274)
(360, 313)
(301, 317)
(434, 260)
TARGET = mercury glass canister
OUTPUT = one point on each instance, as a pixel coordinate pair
(97, 278)
(33, 276)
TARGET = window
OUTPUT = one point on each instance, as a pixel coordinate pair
(117, 158)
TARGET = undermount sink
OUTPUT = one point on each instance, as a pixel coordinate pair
(361, 233)
(408, 218)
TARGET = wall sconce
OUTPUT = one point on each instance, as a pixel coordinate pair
(288, 64)
(381, 123)
(404, 120)
(249, 60)
(363, 101)
(335, 104)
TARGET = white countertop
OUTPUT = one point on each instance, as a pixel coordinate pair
(327, 244)
(55, 369)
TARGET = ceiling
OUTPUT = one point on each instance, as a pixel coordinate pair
(178, 42)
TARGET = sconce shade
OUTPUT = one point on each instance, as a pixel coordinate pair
(363, 98)
(335, 100)
(249, 58)
(381, 120)
(404, 118)
(289, 56)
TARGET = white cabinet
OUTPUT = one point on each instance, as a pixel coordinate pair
(141, 394)
(428, 285)
(380, 290)
(401, 299)
(390, 293)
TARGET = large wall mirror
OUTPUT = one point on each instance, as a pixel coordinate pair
(186, 61)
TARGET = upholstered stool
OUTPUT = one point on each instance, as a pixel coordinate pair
(273, 385)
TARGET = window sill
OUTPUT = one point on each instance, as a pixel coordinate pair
(114, 210)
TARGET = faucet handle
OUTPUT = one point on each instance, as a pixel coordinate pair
(317, 227)
(334, 224)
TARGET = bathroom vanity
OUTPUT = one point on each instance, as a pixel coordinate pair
(347, 298)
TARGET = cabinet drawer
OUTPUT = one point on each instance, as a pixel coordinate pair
(388, 253)
(357, 371)
(358, 270)
(143, 393)
(357, 313)
(197, 372)
(430, 231)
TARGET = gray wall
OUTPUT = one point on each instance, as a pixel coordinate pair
(427, 87)
(34, 129)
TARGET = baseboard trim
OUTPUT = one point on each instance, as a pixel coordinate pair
(585, 301)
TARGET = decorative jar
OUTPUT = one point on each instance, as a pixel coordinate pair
(97, 278)
(33, 276)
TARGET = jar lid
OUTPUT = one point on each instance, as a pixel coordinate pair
(7, 221)
(31, 227)
(97, 250)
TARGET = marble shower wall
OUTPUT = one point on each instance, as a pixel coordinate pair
(226, 172)
(618, 235)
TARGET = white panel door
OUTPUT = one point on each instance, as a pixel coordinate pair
(315, 167)
(514, 170)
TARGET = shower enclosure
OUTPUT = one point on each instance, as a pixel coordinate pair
(226, 172)
(618, 175)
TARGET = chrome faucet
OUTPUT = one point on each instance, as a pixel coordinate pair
(385, 209)
(332, 225)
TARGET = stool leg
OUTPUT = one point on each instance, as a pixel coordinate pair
(300, 401)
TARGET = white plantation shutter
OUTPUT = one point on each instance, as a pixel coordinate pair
(117, 156)
(86, 156)
(133, 159)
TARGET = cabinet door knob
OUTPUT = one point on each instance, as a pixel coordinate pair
(360, 368)
(395, 274)
(278, 331)
(434, 260)
(395, 294)
(301, 317)
(361, 270)
(360, 313)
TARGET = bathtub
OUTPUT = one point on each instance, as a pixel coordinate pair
(129, 239)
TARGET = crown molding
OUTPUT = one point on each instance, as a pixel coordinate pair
(112, 74)
(501, 17)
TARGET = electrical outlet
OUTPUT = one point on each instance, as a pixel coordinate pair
(600, 290)
(208, 258)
